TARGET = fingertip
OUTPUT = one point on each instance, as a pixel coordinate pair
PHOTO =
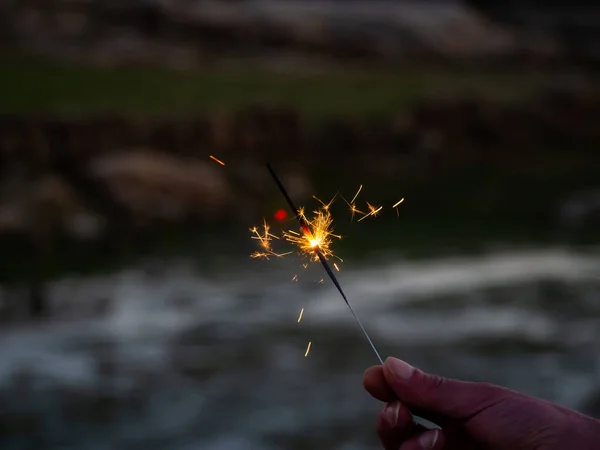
(389, 415)
(395, 415)
(395, 425)
(429, 440)
(432, 439)
(371, 370)
(370, 376)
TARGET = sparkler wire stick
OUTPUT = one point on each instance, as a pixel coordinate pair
(324, 262)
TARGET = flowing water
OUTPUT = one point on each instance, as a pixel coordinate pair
(178, 358)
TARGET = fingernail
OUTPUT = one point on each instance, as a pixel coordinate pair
(399, 368)
(428, 439)
(391, 413)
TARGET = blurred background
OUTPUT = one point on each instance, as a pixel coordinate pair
(133, 316)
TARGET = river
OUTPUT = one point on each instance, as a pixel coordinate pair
(187, 359)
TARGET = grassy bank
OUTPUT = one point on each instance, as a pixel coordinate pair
(34, 86)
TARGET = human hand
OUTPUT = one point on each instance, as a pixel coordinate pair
(472, 416)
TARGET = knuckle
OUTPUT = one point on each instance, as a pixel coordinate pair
(491, 393)
(431, 391)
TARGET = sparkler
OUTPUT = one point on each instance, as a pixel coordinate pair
(315, 243)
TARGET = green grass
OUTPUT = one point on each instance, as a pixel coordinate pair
(34, 86)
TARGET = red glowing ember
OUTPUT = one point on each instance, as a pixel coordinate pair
(280, 214)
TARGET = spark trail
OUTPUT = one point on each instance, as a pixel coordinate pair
(216, 159)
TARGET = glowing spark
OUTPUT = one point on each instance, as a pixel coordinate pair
(399, 201)
(300, 316)
(301, 213)
(307, 349)
(396, 206)
(217, 160)
(325, 206)
(257, 255)
(373, 211)
(265, 239)
(336, 267)
(353, 209)
(356, 195)
(305, 265)
(295, 278)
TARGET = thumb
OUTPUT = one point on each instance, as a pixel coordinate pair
(440, 397)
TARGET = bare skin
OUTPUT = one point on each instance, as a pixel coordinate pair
(472, 416)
